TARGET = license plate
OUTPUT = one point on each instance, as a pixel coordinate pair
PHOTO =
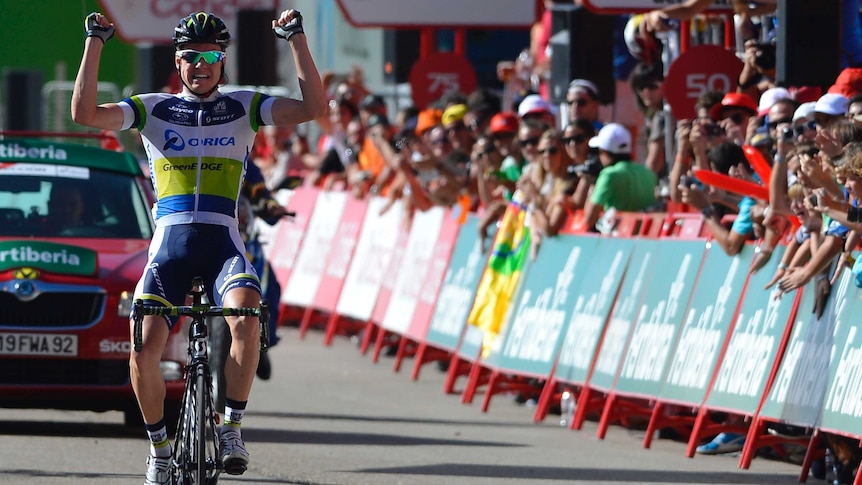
(38, 344)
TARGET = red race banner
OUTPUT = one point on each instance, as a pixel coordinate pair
(438, 74)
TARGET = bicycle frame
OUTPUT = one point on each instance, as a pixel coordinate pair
(196, 445)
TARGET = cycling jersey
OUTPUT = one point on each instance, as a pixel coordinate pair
(197, 150)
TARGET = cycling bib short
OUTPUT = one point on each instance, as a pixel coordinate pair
(197, 151)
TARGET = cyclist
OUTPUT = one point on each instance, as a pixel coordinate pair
(197, 144)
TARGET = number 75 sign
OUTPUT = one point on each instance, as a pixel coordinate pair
(698, 70)
(438, 74)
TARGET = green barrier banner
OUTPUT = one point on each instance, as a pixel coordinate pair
(660, 317)
(637, 274)
(797, 394)
(47, 256)
(754, 343)
(593, 303)
(459, 286)
(842, 410)
(532, 336)
(707, 322)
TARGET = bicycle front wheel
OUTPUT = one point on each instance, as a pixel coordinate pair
(200, 441)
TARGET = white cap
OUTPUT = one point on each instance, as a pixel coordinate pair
(770, 97)
(584, 85)
(614, 138)
(804, 111)
(533, 103)
(832, 104)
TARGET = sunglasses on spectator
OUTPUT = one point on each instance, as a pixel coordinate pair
(577, 139)
(456, 128)
(549, 151)
(736, 118)
(193, 57)
(649, 86)
(486, 152)
(774, 124)
(529, 141)
(580, 102)
(801, 128)
(503, 135)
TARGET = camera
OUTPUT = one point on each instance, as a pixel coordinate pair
(592, 167)
(712, 129)
(765, 57)
(788, 134)
(813, 200)
(687, 181)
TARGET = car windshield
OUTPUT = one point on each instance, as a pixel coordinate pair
(62, 201)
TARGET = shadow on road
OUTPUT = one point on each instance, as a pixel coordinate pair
(72, 429)
(389, 419)
(574, 473)
(258, 435)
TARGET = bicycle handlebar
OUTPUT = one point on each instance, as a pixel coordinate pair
(202, 311)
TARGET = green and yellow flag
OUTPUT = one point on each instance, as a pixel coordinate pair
(500, 279)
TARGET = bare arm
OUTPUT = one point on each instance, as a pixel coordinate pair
(313, 104)
(85, 111)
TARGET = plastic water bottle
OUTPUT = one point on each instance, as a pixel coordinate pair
(829, 465)
(567, 408)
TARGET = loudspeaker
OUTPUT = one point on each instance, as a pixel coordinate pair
(808, 48)
(23, 92)
(255, 48)
(155, 67)
(582, 44)
(400, 50)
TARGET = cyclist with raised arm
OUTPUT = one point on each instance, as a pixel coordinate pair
(198, 144)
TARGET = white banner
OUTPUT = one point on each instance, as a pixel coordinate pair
(423, 13)
(373, 253)
(316, 246)
(414, 266)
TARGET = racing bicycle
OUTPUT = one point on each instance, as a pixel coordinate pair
(196, 447)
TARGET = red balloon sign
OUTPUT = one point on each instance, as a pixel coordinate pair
(698, 70)
(438, 74)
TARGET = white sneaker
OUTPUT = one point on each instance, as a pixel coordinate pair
(234, 457)
(158, 470)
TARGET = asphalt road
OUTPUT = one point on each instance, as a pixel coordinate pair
(331, 416)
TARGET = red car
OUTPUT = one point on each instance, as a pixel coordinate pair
(75, 224)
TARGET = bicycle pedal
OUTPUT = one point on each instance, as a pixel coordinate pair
(235, 469)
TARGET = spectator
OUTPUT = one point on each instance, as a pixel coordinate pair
(647, 83)
(727, 158)
(534, 107)
(583, 100)
(575, 140)
(829, 108)
(482, 105)
(622, 184)
(854, 109)
(548, 189)
(733, 114)
(453, 123)
(803, 123)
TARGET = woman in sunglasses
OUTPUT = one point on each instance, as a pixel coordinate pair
(198, 143)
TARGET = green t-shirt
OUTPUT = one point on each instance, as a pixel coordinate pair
(626, 186)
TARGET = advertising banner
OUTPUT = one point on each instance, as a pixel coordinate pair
(743, 372)
(706, 325)
(459, 286)
(373, 252)
(316, 245)
(593, 302)
(660, 317)
(533, 335)
(625, 310)
(341, 254)
(288, 239)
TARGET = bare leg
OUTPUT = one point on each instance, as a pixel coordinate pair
(144, 370)
(241, 364)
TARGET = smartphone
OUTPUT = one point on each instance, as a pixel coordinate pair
(813, 199)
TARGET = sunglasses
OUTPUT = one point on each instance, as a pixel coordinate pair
(736, 118)
(456, 128)
(774, 124)
(801, 128)
(529, 141)
(580, 102)
(549, 151)
(578, 139)
(650, 86)
(485, 153)
(193, 56)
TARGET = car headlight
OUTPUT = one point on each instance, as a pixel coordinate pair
(171, 371)
(124, 307)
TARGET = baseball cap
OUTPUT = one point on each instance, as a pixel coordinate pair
(427, 119)
(804, 111)
(453, 113)
(614, 138)
(372, 102)
(584, 85)
(769, 98)
(733, 100)
(832, 104)
(848, 82)
(533, 104)
(504, 123)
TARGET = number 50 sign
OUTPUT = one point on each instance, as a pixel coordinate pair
(698, 70)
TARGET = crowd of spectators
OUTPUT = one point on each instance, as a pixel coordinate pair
(482, 152)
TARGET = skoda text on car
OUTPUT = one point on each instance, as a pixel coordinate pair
(75, 224)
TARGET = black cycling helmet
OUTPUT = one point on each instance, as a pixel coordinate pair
(202, 28)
